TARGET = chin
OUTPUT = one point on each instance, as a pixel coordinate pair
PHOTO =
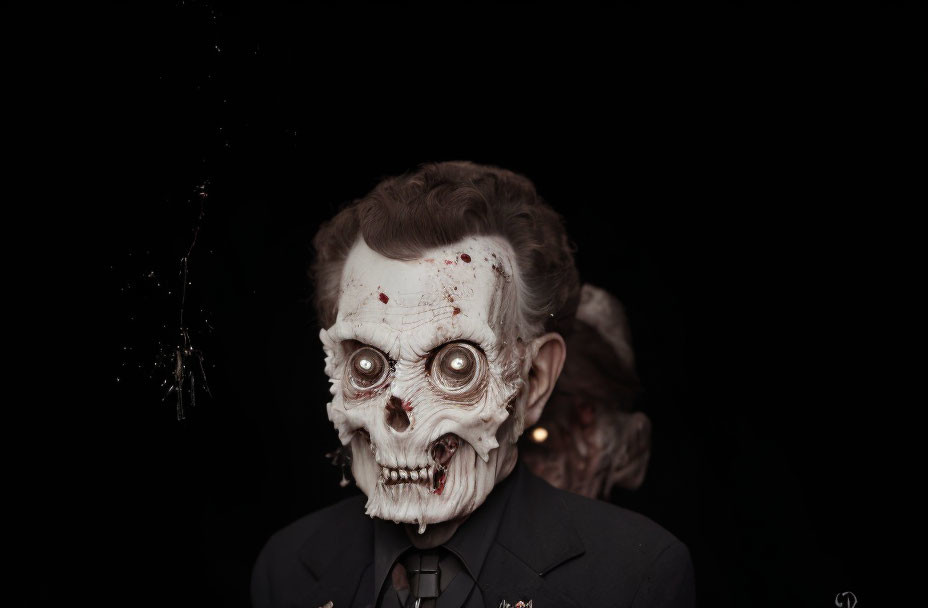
(443, 493)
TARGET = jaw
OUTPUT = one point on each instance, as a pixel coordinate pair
(456, 482)
(429, 472)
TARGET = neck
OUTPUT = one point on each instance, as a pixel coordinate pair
(435, 534)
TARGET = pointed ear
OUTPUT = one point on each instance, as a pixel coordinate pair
(548, 361)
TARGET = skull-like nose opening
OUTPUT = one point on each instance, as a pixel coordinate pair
(396, 415)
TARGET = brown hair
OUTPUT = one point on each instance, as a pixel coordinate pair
(441, 203)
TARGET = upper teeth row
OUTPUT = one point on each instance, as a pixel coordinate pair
(423, 474)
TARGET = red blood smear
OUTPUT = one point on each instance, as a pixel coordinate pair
(457, 311)
(384, 298)
(441, 484)
(406, 406)
(448, 262)
(465, 258)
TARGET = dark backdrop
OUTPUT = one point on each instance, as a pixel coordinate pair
(749, 184)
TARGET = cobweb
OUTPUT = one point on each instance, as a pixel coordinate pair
(183, 363)
(164, 321)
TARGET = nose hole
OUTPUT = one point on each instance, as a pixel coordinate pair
(396, 415)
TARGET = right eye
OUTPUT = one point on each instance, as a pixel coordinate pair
(367, 368)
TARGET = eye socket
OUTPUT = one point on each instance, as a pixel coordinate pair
(367, 367)
(457, 367)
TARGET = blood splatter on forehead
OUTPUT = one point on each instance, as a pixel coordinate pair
(461, 291)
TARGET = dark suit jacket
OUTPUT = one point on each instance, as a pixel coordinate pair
(558, 549)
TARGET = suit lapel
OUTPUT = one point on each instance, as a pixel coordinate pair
(507, 577)
(535, 537)
(340, 557)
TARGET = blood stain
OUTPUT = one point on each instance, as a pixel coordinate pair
(384, 297)
(448, 262)
(456, 311)
(441, 484)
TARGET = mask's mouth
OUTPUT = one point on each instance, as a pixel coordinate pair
(433, 476)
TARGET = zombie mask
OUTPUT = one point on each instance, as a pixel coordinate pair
(426, 364)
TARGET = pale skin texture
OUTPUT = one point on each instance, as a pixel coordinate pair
(408, 310)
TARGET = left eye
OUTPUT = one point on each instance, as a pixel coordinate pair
(367, 368)
(457, 367)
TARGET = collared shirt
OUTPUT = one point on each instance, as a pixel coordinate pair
(470, 543)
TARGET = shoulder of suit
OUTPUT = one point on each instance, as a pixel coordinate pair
(608, 530)
(289, 539)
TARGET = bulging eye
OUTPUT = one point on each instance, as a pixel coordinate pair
(367, 368)
(457, 367)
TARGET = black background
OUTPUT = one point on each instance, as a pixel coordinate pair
(750, 184)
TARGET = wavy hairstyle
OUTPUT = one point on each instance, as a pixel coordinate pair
(441, 203)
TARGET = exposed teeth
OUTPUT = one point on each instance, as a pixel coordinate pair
(400, 475)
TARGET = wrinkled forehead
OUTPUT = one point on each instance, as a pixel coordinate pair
(408, 307)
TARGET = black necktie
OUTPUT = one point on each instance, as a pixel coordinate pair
(424, 578)
(419, 577)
